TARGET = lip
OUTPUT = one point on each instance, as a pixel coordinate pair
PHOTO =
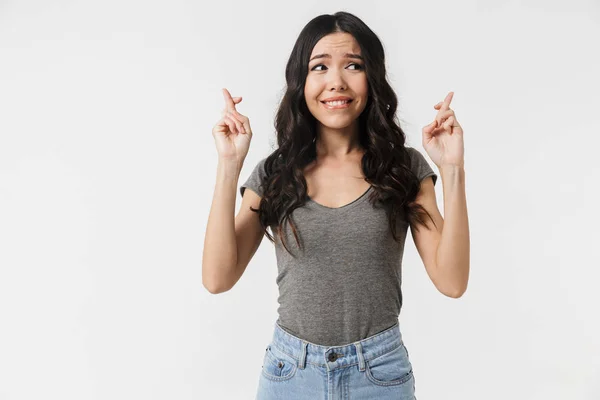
(338, 98)
(336, 107)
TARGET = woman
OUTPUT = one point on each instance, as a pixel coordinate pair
(339, 194)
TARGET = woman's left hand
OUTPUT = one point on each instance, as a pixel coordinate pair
(443, 138)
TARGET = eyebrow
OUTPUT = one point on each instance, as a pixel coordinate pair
(347, 55)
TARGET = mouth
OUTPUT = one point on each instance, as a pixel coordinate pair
(338, 104)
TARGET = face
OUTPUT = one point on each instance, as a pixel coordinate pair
(337, 74)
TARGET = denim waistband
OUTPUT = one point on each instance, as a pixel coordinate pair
(333, 357)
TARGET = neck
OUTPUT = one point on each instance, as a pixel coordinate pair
(339, 144)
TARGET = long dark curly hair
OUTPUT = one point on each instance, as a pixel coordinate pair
(386, 161)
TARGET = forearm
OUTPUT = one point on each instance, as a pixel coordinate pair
(453, 251)
(219, 256)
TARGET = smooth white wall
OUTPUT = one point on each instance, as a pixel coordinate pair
(108, 165)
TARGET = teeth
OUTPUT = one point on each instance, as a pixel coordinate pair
(337, 103)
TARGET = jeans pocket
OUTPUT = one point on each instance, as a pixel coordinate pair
(391, 368)
(278, 366)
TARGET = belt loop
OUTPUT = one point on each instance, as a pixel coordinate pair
(302, 361)
(361, 358)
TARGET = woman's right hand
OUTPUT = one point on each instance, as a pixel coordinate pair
(233, 132)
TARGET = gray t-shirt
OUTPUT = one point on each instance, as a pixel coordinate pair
(345, 284)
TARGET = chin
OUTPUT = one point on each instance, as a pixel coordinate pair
(333, 125)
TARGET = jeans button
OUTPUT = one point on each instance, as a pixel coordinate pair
(332, 357)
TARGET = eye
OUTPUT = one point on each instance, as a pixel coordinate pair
(358, 66)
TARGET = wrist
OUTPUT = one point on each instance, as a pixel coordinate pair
(452, 173)
(230, 165)
(451, 167)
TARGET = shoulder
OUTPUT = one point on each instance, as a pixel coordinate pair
(259, 167)
(419, 164)
(413, 153)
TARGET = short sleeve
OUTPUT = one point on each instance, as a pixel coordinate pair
(420, 166)
(254, 181)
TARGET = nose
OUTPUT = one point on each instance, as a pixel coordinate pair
(336, 81)
(338, 87)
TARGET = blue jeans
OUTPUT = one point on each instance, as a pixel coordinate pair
(377, 367)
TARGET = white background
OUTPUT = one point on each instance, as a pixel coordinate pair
(108, 165)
